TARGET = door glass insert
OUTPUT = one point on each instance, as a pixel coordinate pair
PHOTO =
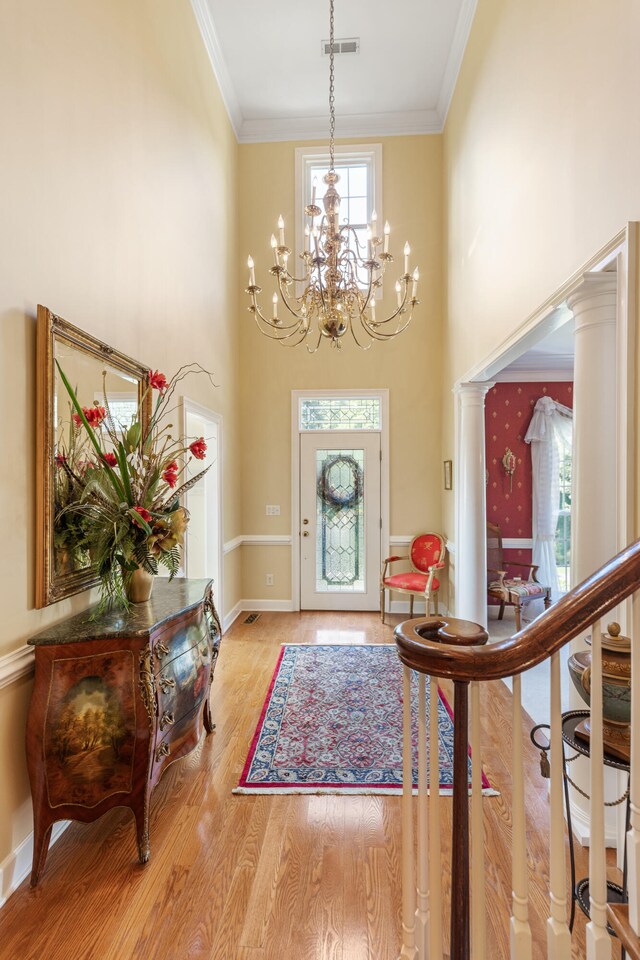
(340, 540)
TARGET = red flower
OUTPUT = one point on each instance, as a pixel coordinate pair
(170, 474)
(110, 459)
(94, 416)
(198, 448)
(144, 514)
(60, 459)
(158, 380)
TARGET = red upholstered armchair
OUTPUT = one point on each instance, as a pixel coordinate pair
(426, 554)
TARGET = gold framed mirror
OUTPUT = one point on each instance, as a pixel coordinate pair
(93, 368)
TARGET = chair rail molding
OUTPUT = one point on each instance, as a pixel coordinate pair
(258, 539)
(18, 663)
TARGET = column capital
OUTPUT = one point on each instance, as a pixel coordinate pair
(594, 299)
(473, 392)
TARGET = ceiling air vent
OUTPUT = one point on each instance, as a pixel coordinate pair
(350, 45)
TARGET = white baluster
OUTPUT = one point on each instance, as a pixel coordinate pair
(558, 936)
(435, 853)
(633, 836)
(597, 937)
(520, 930)
(408, 951)
(422, 911)
(478, 899)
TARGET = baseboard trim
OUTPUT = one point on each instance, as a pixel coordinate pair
(16, 867)
(232, 616)
(18, 663)
(582, 828)
(267, 606)
(286, 606)
(402, 606)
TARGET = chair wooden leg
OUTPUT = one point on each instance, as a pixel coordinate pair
(518, 618)
(411, 607)
(382, 604)
(547, 599)
(501, 612)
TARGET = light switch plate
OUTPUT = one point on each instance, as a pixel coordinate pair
(273, 509)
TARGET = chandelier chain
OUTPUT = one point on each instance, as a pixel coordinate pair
(342, 270)
(332, 98)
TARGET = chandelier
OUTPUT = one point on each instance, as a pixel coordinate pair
(340, 276)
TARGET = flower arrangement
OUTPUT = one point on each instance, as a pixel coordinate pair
(125, 499)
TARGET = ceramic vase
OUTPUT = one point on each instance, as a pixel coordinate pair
(139, 586)
(616, 686)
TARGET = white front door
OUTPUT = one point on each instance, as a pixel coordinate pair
(339, 520)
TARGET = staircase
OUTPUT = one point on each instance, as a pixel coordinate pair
(438, 648)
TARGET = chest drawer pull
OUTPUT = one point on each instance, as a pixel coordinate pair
(166, 720)
(161, 649)
(162, 751)
(166, 683)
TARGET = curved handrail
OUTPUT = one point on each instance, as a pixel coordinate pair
(424, 645)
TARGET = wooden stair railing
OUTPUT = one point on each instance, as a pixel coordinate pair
(457, 650)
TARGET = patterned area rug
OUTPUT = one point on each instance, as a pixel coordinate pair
(332, 723)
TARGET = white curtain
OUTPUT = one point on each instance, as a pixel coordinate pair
(550, 430)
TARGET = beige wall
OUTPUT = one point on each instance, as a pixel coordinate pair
(410, 366)
(118, 199)
(541, 160)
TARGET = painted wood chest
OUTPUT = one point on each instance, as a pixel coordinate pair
(117, 700)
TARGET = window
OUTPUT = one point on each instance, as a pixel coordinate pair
(360, 187)
(563, 528)
(340, 413)
(123, 407)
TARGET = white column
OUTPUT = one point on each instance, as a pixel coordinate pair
(471, 504)
(594, 513)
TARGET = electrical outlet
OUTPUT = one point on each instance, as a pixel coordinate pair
(273, 510)
(269, 579)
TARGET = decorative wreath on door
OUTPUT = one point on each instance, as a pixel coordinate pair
(338, 496)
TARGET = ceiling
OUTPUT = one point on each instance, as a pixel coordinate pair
(550, 359)
(274, 80)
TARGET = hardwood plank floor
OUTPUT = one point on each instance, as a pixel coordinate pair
(267, 877)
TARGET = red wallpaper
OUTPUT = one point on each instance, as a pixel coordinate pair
(508, 411)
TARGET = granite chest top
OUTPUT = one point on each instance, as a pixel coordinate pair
(168, 600)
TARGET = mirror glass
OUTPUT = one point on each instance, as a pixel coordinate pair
(98, 386)
(103, 380)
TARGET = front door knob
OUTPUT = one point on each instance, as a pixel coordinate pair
(305, 521)
(305, 533)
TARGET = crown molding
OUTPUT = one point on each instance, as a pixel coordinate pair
(204, 20)
(277, 129)
(454, 60)
(538, 369)
(403, 123)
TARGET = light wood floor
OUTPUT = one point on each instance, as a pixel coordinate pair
(264, 878)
